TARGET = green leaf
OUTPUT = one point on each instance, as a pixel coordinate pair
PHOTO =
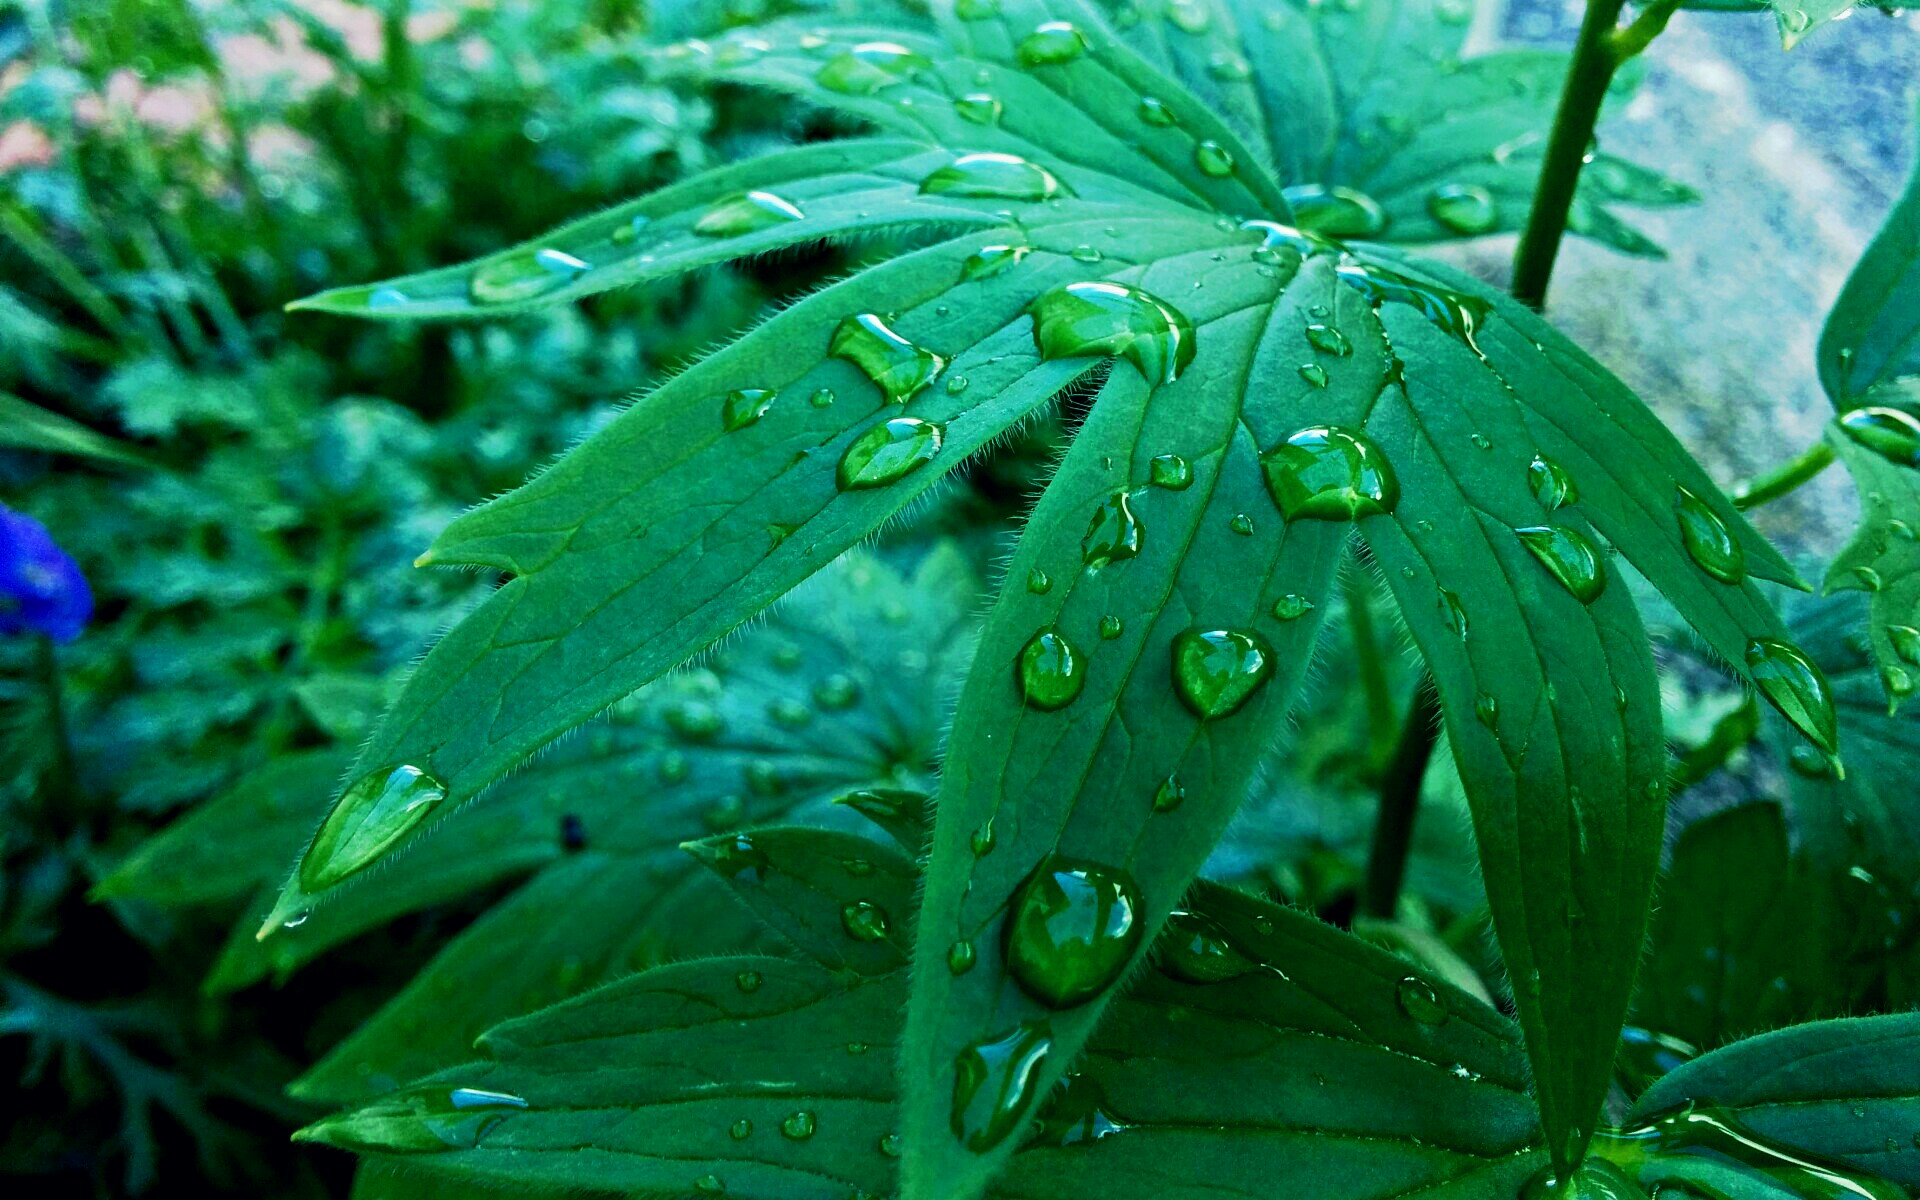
(27, 426)
(838, 690)
(1872, 336)
(1845, 1090)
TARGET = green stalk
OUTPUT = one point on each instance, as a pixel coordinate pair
(1400, 803)
(1373, 672)
(1771, 485)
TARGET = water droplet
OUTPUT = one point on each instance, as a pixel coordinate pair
(744, 213)
(1708, 540)
(868, 67)
(748, 981)
(741, 1130)
(1291, 607)
(1550, 483)
(1170, 471)
(1868, 579)
(988, 261)
(1227, 66)
(1464, 208)
(427, 1119)
(1218, 670)
(1328, 473)
(1050, 671)
(1094, 318)
(1889, 432)
(1039, 582)
(1114, 532)
(1339, 212)
(887, 452)
(523, 274)
(821, 398)
(1905, 640)
(1171, 794)
(1453, 612)
(889, 1145)
(982, 108)
(1328, 340)
(1071, 928)
(1314, 374)
(976, 10)
(994, 1082)
(799, 1126)
(388, 297)
(1419, 1001)
(1194, 948)
(1213, 159)
(733, 857)
(1111, 627)
(1795, 686)
(982, 839)
(864, 921)
(1241, 524)
(960, 957)
(710, 1184)
(1050, 44)
(1482, 441)
(991, 176)
(1569, 557)
(1190, 16)
(1898, 681)
(1486, 710)
(695, 720)
(1155, 112)
(373, 814)
(836, 693)
(744, 406)
(1456, 313)
(898, 367)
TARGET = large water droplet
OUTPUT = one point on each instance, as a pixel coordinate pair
(1328, 473)
(1550, 483)
(522, 275)
(864, 921)
(988, 261)
(1050, 44)
(1464, 208)
(1420, 1001)
(1569, 557)
(379, 809)
(1170, 471)
(1708, 540)
(1071, 928)
(868, 67)
(1092, 318)
(994, 1082)
(992, 177)
(1050, 671)
(1455, 313)
(744, 406)
(1114, 532)
(1340, 212)
(1218, 670)
(744, 213)
(419, 1120)
(1195, 949)
(1793, 684)
(1889, 432)
(898, 367)
(887, 452)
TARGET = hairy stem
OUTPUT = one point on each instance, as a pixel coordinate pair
(1400, 803)
(1373, 672)
(1771, 485)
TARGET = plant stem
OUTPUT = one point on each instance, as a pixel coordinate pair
(1771, 485)
(1400, 803)
(1373, 673)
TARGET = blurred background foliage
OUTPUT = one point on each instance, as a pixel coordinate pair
(246, 490)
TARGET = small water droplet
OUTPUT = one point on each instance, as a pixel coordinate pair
(1111, 627)
(1086, 254)
(748, 981)
(982, 839)
(864, 921)
(1486, 710)
(960, 957)
(888, 451)
(1905, 640)
(1241, 524)
(1189, 16)
(1154, 111)
(1314, 374)
(1113, 534)
(1071, 929)
(982, 108)
(1340, 212)
(821, 398)
(426, 1119)
(897, 367)
(1419, 1001)
(1193, 948)
(957, 384)
(741, 1130)
(371, 816)
(1569, 557)
(994, 1082)
(868, 67)
(1464, 208)
(1453, 613)
(992, 176)
(1050, 44)
(522, 275)
(1891, 433)
(1170, 471)
(1550, 483)
(745, 213)
(799, 1126)
(1709, 542)
(1328, 473)
(709, 1184)
(988, 261)
(836, 693)
(1213, 159)
(1050, 671)
(1328, 340)
(744, 406)
(1171, 794)
(1291, 607)
(1216, 671)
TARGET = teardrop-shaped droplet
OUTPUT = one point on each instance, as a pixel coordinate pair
(1419, 1001)
(744, 406)
(1111, 627)
(982, 108)
(1241, 524)
(1569, 557)
(988, 261)
(1793, 684)
(1039, 582)
(1905, 640)
(1550, 483)
(1708, 540)
(1315, 374)
(735, 856)
(1464, 208)
(522, 275)
(868, 67)
(1114, 532)
(741, 1130)
(1340, 212)
(1170, 471)
(1218, 670)
(1050, 671)
(960, 957)
(1291, 607)
(799, 1126)
(1486, 710)
(1195, 949)
(1071, 929)
(744, 213)
(1189, 16)
(427, 1119)
(1328, 340)
(1096, 318)
(836, 692)
(1453, 612)
(1050, 44)
(887, 452)
(1328, 473)
(994, 1083)
(1213, 159)
(1456, 313)
(864, 921)
(983, 839)
(899, 368)
(1154, 111)
(992, 176)
(379, 809)
(1889, 432)
(1171, 794)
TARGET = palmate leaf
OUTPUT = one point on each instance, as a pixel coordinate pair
(1267, 1051)
(1276, 392)
(1869, 359)
(1378, 126)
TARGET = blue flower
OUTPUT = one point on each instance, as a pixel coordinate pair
(41, 588)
